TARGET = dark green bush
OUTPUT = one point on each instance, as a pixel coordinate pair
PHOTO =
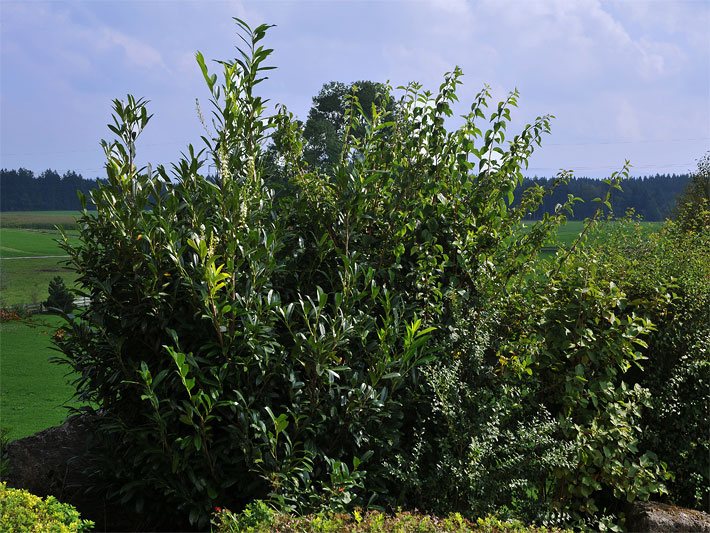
(677, 365)
(60, 298)
(314, 348)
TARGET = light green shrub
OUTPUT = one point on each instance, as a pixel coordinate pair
(23, 511)
(257, 518)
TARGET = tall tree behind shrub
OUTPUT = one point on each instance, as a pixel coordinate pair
(325, 126)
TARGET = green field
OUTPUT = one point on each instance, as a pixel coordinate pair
(29, 259)
(38, 219)
(15, 242)
(568, 232)
(25, 281)
(33, 392)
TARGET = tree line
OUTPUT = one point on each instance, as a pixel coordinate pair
(49, 191)
(653, 198)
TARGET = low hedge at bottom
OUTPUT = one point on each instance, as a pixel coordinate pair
(22, 511)
(259, 518)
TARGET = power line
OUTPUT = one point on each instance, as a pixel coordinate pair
(643, 141)
(86, 150)
(616, 167)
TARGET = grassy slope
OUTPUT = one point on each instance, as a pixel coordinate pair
(16, 242)
(24, 281)
(32, 391)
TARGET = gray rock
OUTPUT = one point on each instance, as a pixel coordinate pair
(655, 517)
(48, 462)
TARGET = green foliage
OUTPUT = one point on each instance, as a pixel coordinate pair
(677, 372)
(234, 352)
(257, 517)
(693, 207)
(324, 129)
(380, 335)
(60, 298)
(531, 411)
(22, 511)
(254, 517)
(583, 335)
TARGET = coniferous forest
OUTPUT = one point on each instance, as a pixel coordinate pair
(21, 190)
(651, 197)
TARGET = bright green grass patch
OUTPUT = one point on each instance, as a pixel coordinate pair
(38, 219)
(33, 391)
(16, 242)
(25, 281)
(29, 259)
(568, 232)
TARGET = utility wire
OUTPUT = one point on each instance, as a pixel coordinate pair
(85, 150)
(643, 141)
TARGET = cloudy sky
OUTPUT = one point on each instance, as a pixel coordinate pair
(625, 79)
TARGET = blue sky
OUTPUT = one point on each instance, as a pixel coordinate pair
(626, 80)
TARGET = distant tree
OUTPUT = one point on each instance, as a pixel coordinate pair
(693, 208)
(324, 128)
(59, 296)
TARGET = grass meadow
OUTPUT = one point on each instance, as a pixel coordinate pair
(29, 259)
(34, 393)
(38, 219)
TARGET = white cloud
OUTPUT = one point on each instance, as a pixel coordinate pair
(137, 53)
(76, 44)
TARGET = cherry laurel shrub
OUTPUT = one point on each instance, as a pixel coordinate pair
(287, 333)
